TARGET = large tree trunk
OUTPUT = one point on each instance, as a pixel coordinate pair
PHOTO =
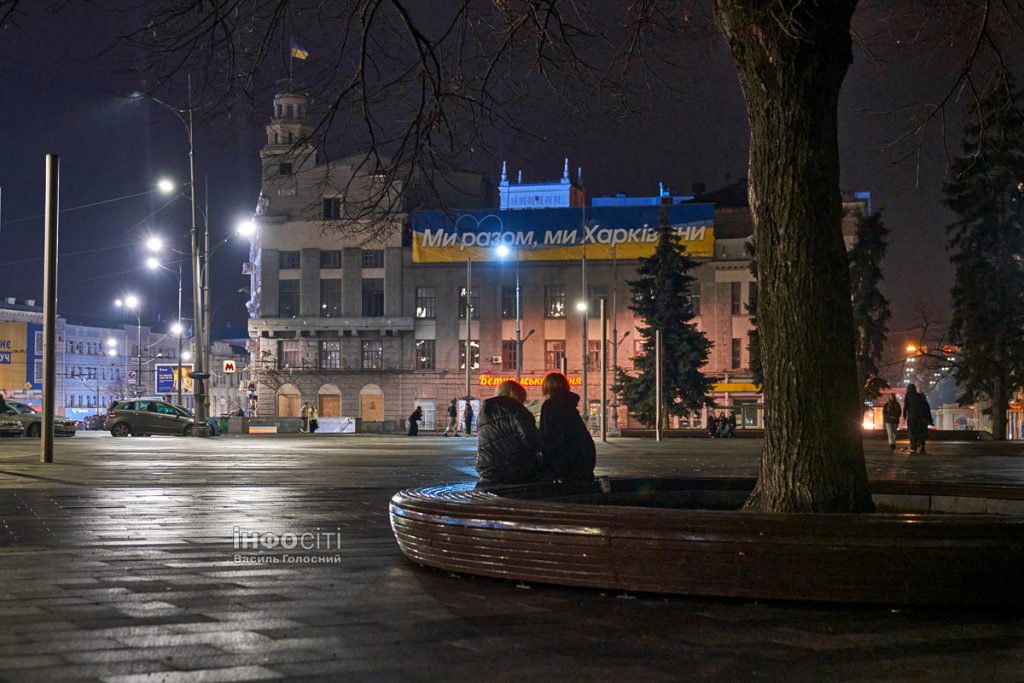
(792, 56)
(1000, 404)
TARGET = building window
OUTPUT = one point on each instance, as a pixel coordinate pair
(735, 297)
(289, 354)
(638, 351)
(330, 355)
(594, 354)
(424, 354)
(373, 354)
(736, 350)
(474, 303)
(474, 348)
(284, 168)
(695, 297)
(289, 259)
(751, 297)
(288, 299)
(332, 207)
(330, 258)
(508, 353)
(554, 301)
(508, 303)
(595, 294)
(554, 352)
(373, 258)
(426, 301)
(290, 111)
(373, 297)
(330, 298)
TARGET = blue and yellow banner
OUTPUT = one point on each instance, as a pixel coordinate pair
(21, 356)
(557, 234)
(167, 378)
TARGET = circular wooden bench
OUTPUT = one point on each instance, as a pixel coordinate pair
(688, 536)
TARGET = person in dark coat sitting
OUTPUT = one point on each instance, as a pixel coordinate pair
(568, 449)
(508, 451)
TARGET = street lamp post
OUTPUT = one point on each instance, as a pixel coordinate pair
(199, 374)
(132, 302)
(154, 244)
(503, 252)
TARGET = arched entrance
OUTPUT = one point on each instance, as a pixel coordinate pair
(328, 399)
(371, 403)
(288, 401)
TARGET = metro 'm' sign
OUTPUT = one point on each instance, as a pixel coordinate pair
(229, 366)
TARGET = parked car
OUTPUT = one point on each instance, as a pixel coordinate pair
(142, 417)
(94, 422)
(32, 421)
(10, 427)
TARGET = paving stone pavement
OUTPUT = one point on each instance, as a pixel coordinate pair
(118, 564)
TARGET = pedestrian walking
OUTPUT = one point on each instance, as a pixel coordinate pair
(314, 420)
(509, 448)
(453, 418)
(891, 414)
(568, 452)
(918, 415)
(467, 417)
(304, 414)
(712, 425)
(414, 421)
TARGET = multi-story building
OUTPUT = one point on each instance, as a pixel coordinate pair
(371, 324)
(95, 364)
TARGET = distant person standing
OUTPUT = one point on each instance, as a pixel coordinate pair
(314, 420)
(414, 421)
(568, 449)
(467, 417)
(712, 425)
(918, 415)
(891, 414)
(304, 414)
(453, 418)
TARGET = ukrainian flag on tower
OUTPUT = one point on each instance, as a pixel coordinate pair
(299, 52)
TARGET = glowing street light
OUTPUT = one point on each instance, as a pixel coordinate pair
(152, 263)
(581, 306)
(177, 329)
(504, 252)
(154, 244)
(246, 228)
(165, 185)
(132, 302)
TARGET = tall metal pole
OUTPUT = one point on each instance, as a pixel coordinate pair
(206, 287)
(50, 307)
(519, 340)
(181, 334)
(586, 355)
(615, 335)
(604, 372)
(657, 385)
(138, 376)
(469, 320)
(198, 381)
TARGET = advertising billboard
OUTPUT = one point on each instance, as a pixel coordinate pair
(558, 234)
(21, 356)
(167, 378)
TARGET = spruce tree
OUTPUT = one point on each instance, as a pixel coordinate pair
(870, 309)
(985, 190)
(662, 299)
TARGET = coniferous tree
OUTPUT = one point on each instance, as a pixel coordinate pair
(662, 299)
(870, 309)
(985, 190)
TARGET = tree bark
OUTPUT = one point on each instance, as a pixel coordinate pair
(1000, 404)
(792, 56)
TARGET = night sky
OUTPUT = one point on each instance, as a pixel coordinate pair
(60, 97)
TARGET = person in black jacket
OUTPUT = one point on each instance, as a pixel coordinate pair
(508, 451)
(918, 415)
(414, 421)
(568, 449)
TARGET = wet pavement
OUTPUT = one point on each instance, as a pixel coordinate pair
(119, 562)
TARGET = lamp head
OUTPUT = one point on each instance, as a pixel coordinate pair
(131, 301)
(502, 251)
(581, 306)
(246, 228)
(165, 185)
(154, 244)
(152, 263)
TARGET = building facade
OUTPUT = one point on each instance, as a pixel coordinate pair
(372, 325)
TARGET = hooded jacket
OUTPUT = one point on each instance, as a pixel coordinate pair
(509, 445)
(569, 453)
